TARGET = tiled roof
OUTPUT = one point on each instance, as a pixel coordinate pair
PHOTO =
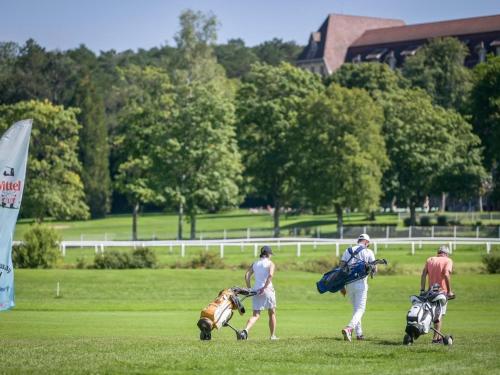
(429, 30)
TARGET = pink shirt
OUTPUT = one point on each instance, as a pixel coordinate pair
(437, 268)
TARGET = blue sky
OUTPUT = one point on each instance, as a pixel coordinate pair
(132, 24)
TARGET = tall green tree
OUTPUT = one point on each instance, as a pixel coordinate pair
(425, 144)
(439, 69)
(198, 159)
(146, 94)
(93, 147)
(269, 102)
(342, 150)
(235, 57)
(371, 76)
(54, 187)
(276, 51)
(484, 110)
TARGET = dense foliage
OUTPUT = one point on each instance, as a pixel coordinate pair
(199, 127)
(39, 248)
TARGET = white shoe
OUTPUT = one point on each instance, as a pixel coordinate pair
(274, 337)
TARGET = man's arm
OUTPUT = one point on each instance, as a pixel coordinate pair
(248, 275)
(269, 278)
(423, 278)
(447, 281)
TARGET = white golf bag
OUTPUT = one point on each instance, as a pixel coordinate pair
(425, 310)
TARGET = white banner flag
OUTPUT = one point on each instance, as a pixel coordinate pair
(14, 146)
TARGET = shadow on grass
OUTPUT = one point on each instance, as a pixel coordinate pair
(387, 342)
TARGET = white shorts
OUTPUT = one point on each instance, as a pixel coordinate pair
(264, 301)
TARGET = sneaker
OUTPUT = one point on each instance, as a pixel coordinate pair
(360, 337)
(274, 337)
(347, 332)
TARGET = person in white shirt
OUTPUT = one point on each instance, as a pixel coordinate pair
(265, 299)
(358, 290)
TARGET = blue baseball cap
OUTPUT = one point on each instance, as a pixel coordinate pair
(265, 250)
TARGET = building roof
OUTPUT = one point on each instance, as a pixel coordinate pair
(337, 33)
(421, 31)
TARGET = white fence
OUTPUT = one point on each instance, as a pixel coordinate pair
(298, 243)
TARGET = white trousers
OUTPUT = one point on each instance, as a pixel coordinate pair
(358, 294)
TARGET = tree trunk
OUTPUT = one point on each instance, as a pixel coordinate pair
(135, 213)
(340, 219)
(276, 216)
(393, 204)
(480, 203)
(180, 221)
(413, 214)
(443, 202)
(192, 217)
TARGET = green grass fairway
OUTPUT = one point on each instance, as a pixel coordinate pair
(144, 321)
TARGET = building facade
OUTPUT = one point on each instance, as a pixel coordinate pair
(343, 38)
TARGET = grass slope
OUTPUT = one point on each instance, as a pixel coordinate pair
(144, 321)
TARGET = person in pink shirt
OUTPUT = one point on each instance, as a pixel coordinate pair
(438, 270)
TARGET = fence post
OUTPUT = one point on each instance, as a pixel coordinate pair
(342, 232)
(222, 250)
(255, 250)
(279, 244)
(432, 231)
(413, 248)
(170, 248)
(63, 249)
(96, 249)
(318, 235)
(298, 249)
(488, 247)
(375, 248)
(241, 245)
(419, 244)
(183, 249)
(102, 248)
(454, 231)
(409, 231)
(225, 234)
(206, 246)
(386, 232)
(450, 244)
(314, 245)
(248, 233)
(477, 231)
(364, 229)
(337, 249)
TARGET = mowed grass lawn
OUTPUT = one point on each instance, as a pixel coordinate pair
(144, 321)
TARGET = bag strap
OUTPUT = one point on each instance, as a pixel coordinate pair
(354, 253)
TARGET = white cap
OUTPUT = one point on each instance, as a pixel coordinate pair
(364, 236)
(444, 249)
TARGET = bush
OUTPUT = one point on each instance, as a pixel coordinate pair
(207, 260)
(407, 221)
(112, 260)
(492, 263)
(389, 269)
(39, 249)
(425, 221)
(321, 265)
(442, 220)
(143, 258)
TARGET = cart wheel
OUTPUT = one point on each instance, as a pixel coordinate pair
(241, 335)
(448, 340)
(407, 340)
(205, 335)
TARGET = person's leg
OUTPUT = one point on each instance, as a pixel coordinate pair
(359, 306)
(252, 320)
(272, 321)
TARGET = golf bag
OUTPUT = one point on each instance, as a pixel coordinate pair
(339, 277)
(425, 310)
(218, 313)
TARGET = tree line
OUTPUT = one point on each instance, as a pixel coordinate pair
(200, 127)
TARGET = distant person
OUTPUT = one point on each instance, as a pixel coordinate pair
(358, 290)
(438, 270)
(265, 299)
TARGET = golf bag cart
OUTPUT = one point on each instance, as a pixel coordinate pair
(339, 277)
(219, 312)
(426, 309)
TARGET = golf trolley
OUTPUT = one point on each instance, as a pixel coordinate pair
(219, 312)
(426, 309)
(339, 277)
